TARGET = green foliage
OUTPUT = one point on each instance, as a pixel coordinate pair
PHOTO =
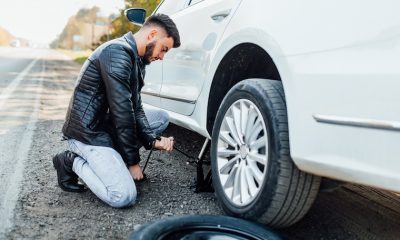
(80, 60)
(121, 25)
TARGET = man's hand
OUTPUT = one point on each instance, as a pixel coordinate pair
(166, 144)
(136, 172)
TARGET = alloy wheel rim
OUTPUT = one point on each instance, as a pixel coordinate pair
(242, 154)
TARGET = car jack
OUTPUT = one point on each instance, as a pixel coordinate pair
(203, 184)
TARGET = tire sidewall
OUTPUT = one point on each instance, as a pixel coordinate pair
(257, 207)
(163, 227)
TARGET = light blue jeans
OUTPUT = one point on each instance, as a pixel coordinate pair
(103, 169)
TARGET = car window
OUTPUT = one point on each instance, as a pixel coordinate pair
(170, 7)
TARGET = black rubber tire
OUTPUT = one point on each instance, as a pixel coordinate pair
(286, 193)
(172, 227)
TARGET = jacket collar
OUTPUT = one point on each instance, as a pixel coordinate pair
(131, 41)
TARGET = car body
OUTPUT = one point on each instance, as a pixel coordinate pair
(337, 62)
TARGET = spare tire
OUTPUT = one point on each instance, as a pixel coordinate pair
(203, 227)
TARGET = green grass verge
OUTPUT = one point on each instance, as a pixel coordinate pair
(80, 60)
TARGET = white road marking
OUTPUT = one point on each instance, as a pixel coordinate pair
(6, 92)
(11, 196)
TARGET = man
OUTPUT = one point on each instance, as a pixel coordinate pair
(105, 124)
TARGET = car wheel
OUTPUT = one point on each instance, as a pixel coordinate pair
(253, 174)
(202, 227)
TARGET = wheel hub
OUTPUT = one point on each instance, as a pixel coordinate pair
(244, 150)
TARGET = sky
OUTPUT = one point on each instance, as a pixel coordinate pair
(42, 20)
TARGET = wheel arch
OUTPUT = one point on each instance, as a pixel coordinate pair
(243, 61)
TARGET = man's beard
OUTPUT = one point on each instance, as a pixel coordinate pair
(148, 53)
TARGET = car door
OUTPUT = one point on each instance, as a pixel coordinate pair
(201, 23)
(151, 90)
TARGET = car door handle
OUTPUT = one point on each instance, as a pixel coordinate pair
(219, 16)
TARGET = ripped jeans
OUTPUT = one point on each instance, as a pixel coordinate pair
(103, 169)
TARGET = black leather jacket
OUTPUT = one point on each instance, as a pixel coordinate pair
(106, 107)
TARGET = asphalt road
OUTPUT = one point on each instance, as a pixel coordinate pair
(35, 87)
(21, 78)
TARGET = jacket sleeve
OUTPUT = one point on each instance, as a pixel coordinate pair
(116, 66)
(146, 135)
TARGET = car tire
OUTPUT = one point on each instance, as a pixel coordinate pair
(202, 227)
(257, 179)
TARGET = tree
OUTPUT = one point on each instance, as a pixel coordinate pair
(120, 25)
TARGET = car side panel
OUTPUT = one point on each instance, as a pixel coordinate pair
(335, 62)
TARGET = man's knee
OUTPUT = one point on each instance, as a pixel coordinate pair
(164, 116)
(123, 198)
(126, 200)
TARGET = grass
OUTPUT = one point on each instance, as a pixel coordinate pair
(80, 60)
(77, 56)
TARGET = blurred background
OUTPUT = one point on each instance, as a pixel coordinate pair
(75, 27)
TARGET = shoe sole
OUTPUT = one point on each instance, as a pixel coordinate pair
(57, 166)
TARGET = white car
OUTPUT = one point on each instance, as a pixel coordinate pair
(288, 92)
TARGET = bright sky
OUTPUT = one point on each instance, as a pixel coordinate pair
(43, 20)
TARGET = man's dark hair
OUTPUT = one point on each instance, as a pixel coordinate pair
(165, 22)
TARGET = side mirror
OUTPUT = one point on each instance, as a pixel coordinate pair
(136, 15)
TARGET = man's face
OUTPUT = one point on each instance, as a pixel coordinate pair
(157, 48)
